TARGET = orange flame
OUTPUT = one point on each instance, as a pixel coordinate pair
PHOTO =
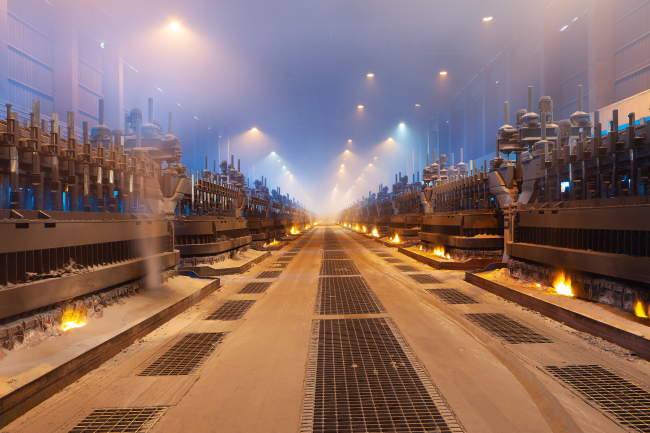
(275, 242)
(639, 310)
(72, 319)
(356, 227)
(440, 252)
(375, 233)
(396, 239)
(294, 231)
(562, 285)
(364, 229)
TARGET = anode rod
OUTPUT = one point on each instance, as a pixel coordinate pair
(530, 99)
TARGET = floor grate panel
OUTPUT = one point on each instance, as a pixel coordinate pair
(384, 255)
(507, 329)
(621, 399)
(393, 260)
(255, 288)
(335, 255)
(185, 356)
(424, 279)
(407, 268)
(346, 295)
(279, 265)
(328, 246)
(452, 296)
(363, 377)
(133, 419)
(338, 267)
(269, 274)
(285, 258)
(231, 310)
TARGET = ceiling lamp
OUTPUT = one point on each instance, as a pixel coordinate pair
(486, 19)
(443, 72)
(370, 75)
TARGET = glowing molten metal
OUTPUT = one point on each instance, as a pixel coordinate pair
(294, 231)
(396, 239)
(562, 285)
(72, 319)
(356, 227)
(639, 310)
(375, 233)
(364, 229)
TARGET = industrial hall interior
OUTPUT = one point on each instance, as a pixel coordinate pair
(324, 216)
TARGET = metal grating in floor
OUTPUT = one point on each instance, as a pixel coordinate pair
(346, 295)
(289, 254)
(424, 279)
(231, 310)
(328, 246)
(380, 254)
(285, 259)
(393, 260)
(338, 267)
(279, 265)
(335, 255)
(132, 419)
(453, 296)
(255, 288)
(185, 356)
(363, 377)
(407, 268)
(507, 329)
(618, 397)
(269, 274)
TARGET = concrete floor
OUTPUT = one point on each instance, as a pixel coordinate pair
(254, 381)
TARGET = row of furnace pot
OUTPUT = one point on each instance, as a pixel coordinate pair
(560, 195)
(78, 216)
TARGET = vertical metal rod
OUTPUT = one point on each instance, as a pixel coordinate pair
(171, 123)
(530, 99)
(138, 133)
(150, 110)
(101, 111)
(579, 97)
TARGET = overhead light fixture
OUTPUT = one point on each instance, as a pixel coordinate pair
(347, 151)
(417, 105)
(401, 125)
(486, 19)
(390, 138)
(349, 141)
(359, 106)
(370, 75)
(443, 72)
(174, 25)
(254, 129)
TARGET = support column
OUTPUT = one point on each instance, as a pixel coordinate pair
(66, 68)
(113, 82)
(4, 54)
(601, 55)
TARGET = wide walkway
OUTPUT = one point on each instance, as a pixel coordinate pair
(338, 333)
